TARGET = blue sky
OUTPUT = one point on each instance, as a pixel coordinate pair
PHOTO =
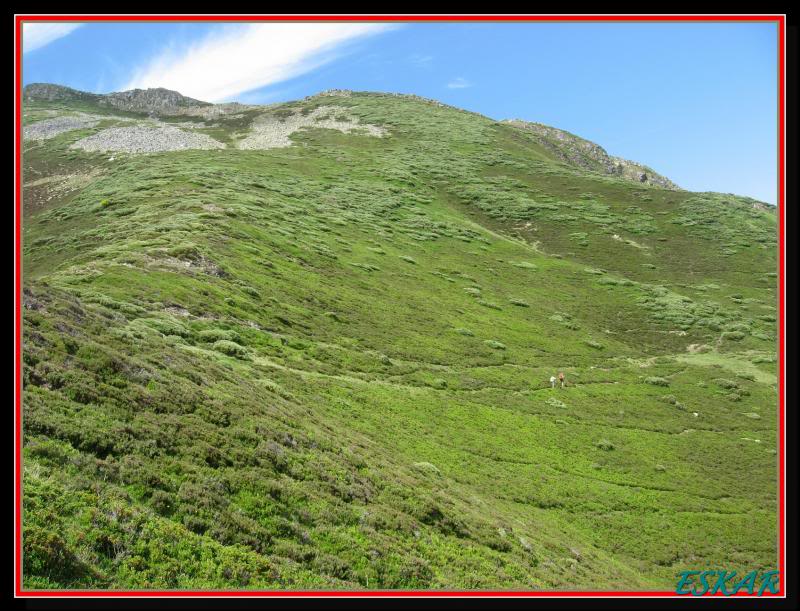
(695, 101)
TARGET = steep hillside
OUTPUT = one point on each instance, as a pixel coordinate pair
(309, 346)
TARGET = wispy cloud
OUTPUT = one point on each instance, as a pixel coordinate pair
(239, 58)
(459, 83)
(421, 61)
(38, 35)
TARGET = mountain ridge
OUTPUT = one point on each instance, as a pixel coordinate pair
(160, 101)
(591, 156)
(156, 100)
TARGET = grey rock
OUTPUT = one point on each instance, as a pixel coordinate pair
(158, 101)
(587, 155)
(146, 139)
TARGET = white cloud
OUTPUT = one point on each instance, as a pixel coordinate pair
(421, 61)
(239, 58)
(37, 35)
(459, 83)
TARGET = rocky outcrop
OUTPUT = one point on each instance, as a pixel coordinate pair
(157, 101)
(637, 172)
(590, 156)
(47, 92)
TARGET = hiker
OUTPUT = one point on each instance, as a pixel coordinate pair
(561, 378)
(552, 381)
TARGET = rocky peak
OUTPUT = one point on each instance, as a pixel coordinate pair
(50, 92)
(587, 155)
(156, 100)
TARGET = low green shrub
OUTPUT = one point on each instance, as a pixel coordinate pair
(230, 348)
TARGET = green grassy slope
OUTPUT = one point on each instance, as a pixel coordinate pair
(326, 366)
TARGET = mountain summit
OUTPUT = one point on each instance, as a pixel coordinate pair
(309, 346)
(158, 100)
